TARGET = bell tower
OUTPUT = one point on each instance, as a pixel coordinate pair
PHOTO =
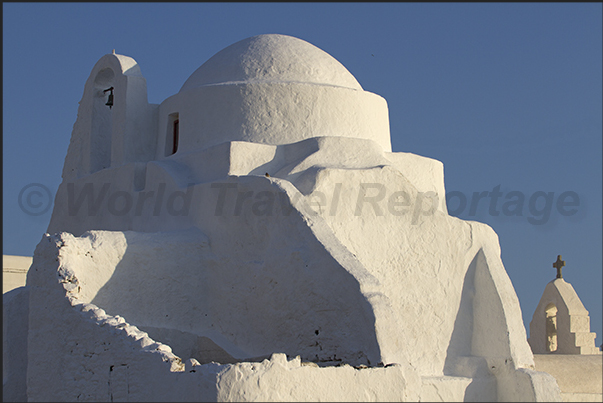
(560, 323)
(115, 125)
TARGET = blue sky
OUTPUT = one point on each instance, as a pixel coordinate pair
(506, 95)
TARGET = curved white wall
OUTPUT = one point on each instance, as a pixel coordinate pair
(272, 113)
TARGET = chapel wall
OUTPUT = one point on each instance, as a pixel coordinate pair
(271, 113)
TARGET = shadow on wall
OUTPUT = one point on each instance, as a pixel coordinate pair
(460, 340)
(459, 361)
(289, 296)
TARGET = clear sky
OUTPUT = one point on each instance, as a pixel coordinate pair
(507, 96)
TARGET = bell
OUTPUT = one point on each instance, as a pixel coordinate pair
(110, 100)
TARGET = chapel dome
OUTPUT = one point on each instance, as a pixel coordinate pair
(272, 58)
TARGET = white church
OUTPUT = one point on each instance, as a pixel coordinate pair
(254, 238)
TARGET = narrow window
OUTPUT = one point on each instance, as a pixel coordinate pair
(175, 132)
(172, 135)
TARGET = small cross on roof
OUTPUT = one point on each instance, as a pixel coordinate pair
(558, 265)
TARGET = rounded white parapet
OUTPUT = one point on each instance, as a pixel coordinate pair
(270, 89)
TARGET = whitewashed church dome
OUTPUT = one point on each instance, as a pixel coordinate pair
(272, 58)
(270, 89)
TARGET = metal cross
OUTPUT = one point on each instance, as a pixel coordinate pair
(558, 265)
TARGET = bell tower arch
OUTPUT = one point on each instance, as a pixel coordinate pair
(550, 313)
(110, 134)
(101, 125)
